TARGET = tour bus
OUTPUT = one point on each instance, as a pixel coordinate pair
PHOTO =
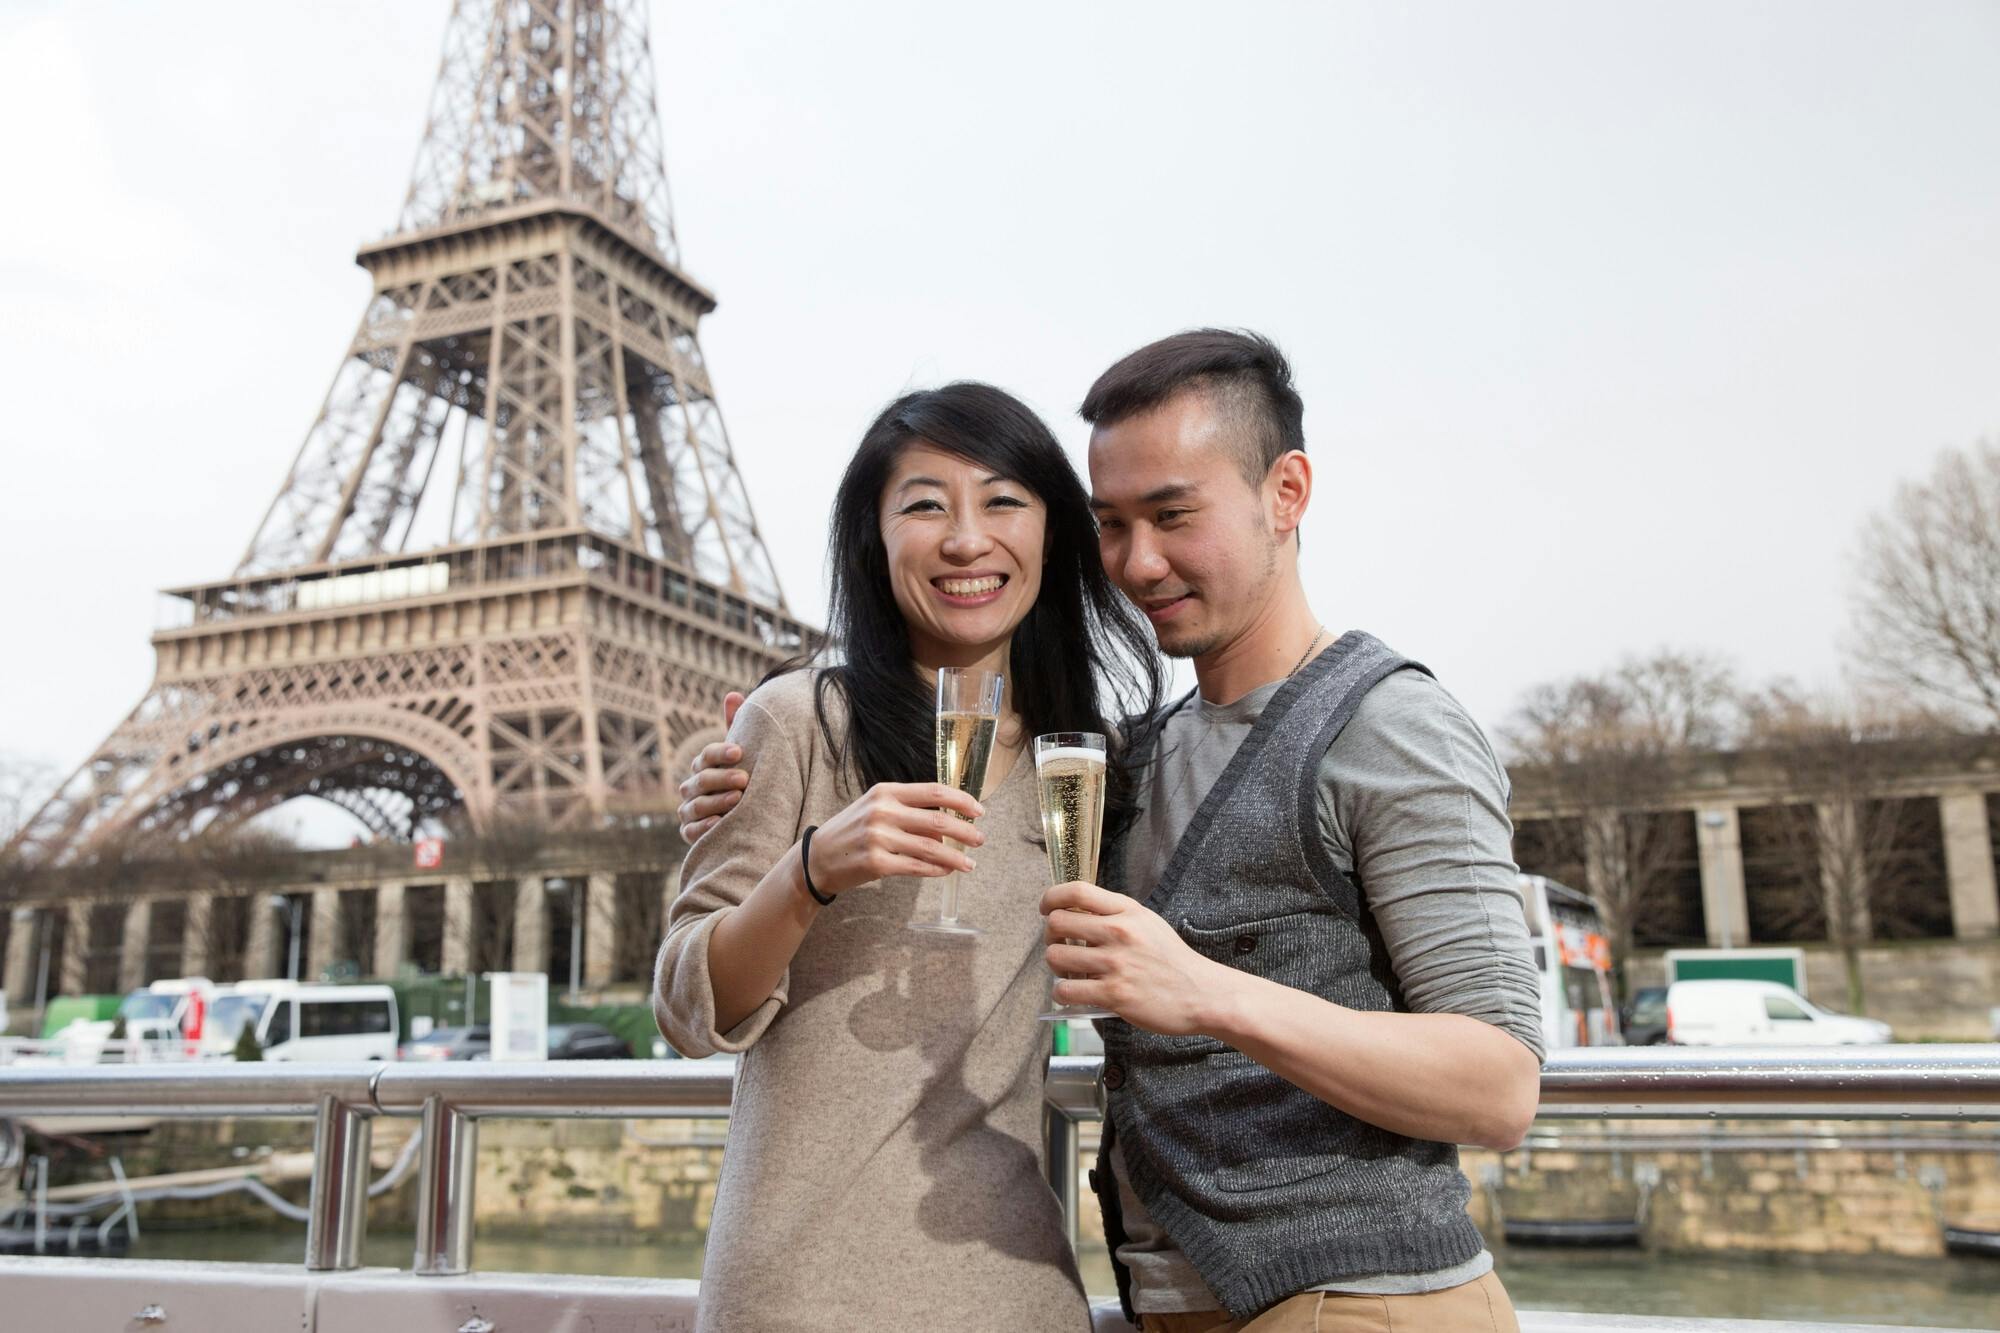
(300, 1021)
(1573, 959)
(170, 1006)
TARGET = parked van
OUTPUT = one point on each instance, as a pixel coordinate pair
(295, 1021)
(1759, 1013)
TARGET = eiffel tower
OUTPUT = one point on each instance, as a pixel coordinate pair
(513, 568)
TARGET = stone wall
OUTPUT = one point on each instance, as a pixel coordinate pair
(1836, 1200)
(1927, 990)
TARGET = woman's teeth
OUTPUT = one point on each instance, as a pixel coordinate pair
(970, 587)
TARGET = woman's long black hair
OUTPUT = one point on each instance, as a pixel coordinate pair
(1082, 660)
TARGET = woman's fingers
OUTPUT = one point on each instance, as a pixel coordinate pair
(936, 796)
(692, 832)
(936, 824)
(941, 854)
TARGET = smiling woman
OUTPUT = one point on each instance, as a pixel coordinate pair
(960, 538)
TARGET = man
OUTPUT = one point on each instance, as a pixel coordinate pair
(1312, 933)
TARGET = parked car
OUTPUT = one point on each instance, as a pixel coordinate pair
(586, 1041)
(1760, 1013)
(466, 1043)
(1645, 1017)
(304, 1021)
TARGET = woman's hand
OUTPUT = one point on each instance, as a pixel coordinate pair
(895, 828)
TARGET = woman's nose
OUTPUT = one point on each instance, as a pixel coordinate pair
(967, 540)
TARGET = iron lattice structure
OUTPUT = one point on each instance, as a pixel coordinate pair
(513, 568)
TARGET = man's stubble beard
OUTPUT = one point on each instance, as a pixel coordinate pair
(1214, 639)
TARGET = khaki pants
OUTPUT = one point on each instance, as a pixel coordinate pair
(1479, 1306)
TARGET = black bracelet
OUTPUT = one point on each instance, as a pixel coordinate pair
(805, 867)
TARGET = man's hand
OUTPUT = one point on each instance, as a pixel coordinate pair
(714, 788)
(1135, 964)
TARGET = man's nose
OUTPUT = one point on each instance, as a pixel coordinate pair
(1144, 564)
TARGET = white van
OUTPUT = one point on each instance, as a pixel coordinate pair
(295, 1021)
(1759, 1013)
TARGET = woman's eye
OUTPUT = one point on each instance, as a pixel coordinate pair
(1007, 502)
(922, 507)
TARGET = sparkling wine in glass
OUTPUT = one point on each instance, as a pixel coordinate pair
(968, 718)
(1070, 781)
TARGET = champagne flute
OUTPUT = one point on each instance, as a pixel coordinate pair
(1069, 780)
(968, 717)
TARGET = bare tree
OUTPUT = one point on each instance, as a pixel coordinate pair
(1927, 592)
(1606, 745)
(1844, 830)
(24, 785)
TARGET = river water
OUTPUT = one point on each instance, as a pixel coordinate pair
(1941, 1293)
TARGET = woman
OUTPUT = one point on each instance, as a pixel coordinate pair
(883, 1168)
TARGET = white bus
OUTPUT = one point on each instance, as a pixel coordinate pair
(1573, 959)
(298, 1021)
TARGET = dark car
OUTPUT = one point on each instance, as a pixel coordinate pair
(1645, 1017)
(586, 1041)
(471, 1043)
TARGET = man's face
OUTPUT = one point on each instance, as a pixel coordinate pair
(1179, 529)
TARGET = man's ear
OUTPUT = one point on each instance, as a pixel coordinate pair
(1287, 491)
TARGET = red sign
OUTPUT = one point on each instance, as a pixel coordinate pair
(430, 853)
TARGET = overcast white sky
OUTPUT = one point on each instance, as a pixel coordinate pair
(1613, 321)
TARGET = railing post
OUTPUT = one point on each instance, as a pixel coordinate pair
(444, 1191)
(337, 1213)
(1061, 1133)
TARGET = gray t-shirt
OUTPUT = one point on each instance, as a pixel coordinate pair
(1413, 803)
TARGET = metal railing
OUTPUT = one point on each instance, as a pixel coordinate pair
(1846, 1083)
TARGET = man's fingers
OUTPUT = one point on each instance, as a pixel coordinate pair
(1085, 926)
(718, 754)
(1077, 896)
(709, 807)
(1096, 994)
(1076, 960)
(730, 703)
(711, 780)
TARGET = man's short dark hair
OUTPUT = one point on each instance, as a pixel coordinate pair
(1244, 374)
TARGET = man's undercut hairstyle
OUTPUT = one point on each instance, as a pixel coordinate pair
(1243, 374)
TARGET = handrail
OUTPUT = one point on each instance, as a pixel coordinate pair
(1843, 1083)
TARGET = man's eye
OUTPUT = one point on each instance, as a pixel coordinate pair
(1171, 515)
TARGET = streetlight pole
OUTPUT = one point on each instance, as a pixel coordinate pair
(575, 940)
(28, 917)
(575, 935)
(291, 909)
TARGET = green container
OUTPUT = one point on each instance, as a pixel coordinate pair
(65, 1009)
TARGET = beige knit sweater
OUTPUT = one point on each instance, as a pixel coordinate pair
(884, 1167)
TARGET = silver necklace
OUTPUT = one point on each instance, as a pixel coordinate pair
(1307, 653)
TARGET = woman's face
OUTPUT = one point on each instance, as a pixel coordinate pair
(965, 553)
